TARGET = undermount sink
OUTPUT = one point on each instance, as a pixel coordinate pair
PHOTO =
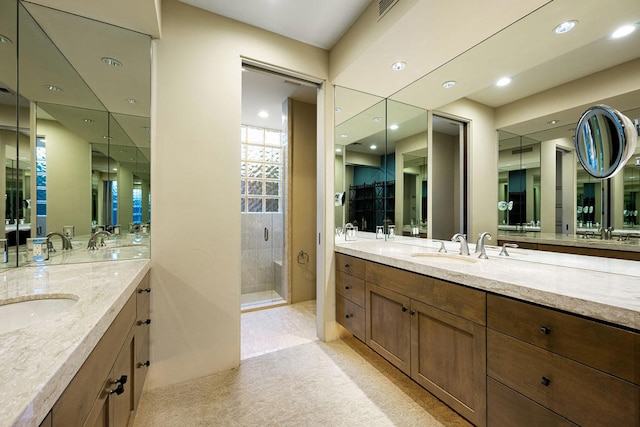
(446, 257)
(20, 314)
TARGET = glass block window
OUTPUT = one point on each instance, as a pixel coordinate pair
(261, 169)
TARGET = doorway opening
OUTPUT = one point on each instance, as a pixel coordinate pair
(267, 180)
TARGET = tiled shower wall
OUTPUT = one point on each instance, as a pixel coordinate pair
(261, 259)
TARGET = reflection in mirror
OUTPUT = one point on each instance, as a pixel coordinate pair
(589, 201)
(79, 100)
(360, 134)
(407, 150)
(605, 140)
(519, 195)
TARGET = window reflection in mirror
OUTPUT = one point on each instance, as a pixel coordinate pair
(519, 191)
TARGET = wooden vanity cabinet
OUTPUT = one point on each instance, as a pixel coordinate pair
(559, 366)
(432, 330)
(350, 294)
(106, 389)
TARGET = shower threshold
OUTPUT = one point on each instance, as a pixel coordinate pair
(260, 300)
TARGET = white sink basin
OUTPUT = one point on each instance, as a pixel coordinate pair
(17, 315)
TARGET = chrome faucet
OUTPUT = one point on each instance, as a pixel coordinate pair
(464, 246)
(92, 245)
(66, 243)
(480, 244)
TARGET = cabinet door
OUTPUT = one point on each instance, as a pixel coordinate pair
(122, 403)
(448, 358)
(388, 328)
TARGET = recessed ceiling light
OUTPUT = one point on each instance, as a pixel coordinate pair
(552, 122)
(394, 127)
(88, 121)
(449, 84)
(565, 27)
(373, 147)
(338, 109)
(503, 81)
(107, 137)
(145, 127)
(53, 88)
(623, 31)
(133, 101)
(398, 66)
(338, 150)
(377, 119)
(114, 169)
(263, 114)
(111, 61)
(5, 39)
(344, 135)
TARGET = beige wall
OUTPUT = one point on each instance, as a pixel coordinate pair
(483, 164)
(196, 207)
(125, 196)
(302, 184)
(68, 189)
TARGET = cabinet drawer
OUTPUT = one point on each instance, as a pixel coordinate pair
(505, 407)
(350, 265)
(351, 316)
(582, 394)
(350, 287)
(450, 297)
(601, 346)
(143, 298)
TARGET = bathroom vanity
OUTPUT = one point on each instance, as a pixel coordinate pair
(536, 338)
(88, 363)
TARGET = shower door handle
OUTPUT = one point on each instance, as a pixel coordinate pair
(266, 234)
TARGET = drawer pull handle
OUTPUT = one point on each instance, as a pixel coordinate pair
(347, 287)
(545, 381)
(544, 330)
(147, 290)
(404, 309)
(118, 390)
(347, 265)
(144, 322)
(141, 364)
(412, 312)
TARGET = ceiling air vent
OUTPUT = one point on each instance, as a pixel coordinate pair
(384, 6)
(522, 150)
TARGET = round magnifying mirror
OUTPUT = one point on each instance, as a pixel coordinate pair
(604, 141)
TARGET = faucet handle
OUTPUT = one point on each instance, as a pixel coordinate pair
(504, 252)
(442, 249)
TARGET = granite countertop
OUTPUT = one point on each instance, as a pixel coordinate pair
(600, 288)
(39, 361)
(574, 240)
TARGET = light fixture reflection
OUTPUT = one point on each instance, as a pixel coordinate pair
(623, 31)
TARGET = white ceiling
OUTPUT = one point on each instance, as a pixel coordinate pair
(316, 22)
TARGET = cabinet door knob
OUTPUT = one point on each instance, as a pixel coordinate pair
(412, 312)
(545, 381)
(147, 290)
(121, 380)
(141, 364)
(118, 390)
(404, 309)
(347, 287)
(545, 330)
(347, 265)
(348, 315)
(144, 322)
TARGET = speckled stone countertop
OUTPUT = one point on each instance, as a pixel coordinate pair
(573, 240)
(39, 361)
(600, 288)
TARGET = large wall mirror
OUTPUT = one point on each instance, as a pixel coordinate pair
(381, 167)
(77, 151)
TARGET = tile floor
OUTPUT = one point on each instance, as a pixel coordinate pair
(287, 377)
